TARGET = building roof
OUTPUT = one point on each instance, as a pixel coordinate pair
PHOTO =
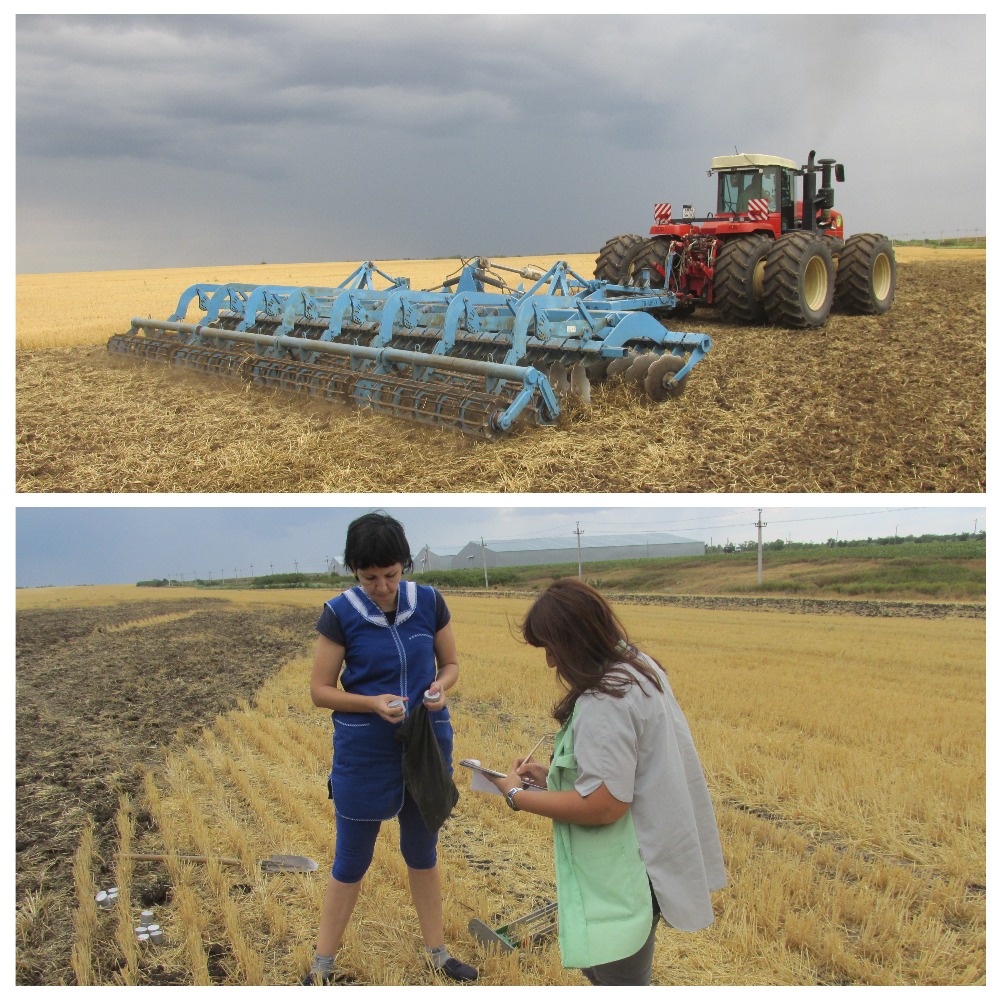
(439, 550)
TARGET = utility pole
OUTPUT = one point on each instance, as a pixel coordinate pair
(579, 558)
(760, 547)
(486, 577)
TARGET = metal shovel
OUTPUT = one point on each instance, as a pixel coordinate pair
(275, 863)
(289, 863)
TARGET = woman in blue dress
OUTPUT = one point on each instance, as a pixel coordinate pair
(384, 645)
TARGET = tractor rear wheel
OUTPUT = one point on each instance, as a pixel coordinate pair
(866, 275)
(738, 284)
(612, 257)
(799, 280)
(650, 256)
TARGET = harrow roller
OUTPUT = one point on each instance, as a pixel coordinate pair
(468, 359)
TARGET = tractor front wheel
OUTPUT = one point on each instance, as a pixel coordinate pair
(612, 257)
(799, 280)
(866, 275)
(738, 283)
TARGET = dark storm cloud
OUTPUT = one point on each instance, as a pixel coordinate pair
(240, 138)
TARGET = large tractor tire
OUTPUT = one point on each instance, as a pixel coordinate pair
(799, 280)
(738, 283)
(866, 275)
(611, 259)
(649, 255)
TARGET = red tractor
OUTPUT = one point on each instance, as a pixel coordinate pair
(773, 251)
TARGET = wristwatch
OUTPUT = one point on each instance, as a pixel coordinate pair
(509, 798)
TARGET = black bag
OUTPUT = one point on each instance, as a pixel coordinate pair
(424, 771)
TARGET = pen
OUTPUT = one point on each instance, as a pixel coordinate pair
(534, 748)
(530, 784)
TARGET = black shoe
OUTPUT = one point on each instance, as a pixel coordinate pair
(311, 979)
(459, 971)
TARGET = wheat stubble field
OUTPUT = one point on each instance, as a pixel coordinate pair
(892, 403)
(845, 755)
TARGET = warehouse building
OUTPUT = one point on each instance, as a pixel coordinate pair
(437, 558)
(592, 548)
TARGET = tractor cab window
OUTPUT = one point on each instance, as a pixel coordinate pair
(737, 188)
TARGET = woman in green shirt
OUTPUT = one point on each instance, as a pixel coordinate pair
(634, 830)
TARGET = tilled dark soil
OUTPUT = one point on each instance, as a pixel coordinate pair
(95, 705)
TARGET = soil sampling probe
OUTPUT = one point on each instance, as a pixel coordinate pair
(475, 355)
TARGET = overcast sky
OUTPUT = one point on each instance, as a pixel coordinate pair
(160, 141)
(73, 545)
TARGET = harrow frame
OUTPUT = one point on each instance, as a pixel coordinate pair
(463, 356)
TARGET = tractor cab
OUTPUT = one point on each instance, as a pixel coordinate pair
(764, 191)
(756, 188)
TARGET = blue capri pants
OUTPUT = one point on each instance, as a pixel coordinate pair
(355, 845)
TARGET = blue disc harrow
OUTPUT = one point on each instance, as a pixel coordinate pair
(476, 355)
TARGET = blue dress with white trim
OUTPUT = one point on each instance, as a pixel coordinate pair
(366, 780)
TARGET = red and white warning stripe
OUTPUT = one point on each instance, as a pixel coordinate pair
(757, 209)
(663, 212)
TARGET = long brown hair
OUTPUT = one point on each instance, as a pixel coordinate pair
(576, 625)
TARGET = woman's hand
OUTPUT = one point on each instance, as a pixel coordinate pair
(524, 772)
(506, 783)
(389, 706)
(531, 772)
(436, 704)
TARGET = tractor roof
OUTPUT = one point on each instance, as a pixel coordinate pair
(744, 160)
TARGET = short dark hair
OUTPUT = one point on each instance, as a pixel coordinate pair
(376, 539)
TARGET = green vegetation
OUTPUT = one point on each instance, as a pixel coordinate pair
(955, 242)
(929, 567)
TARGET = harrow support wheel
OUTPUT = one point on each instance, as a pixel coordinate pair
(866, 276)
(799, 280)
(738, 286)
(659, 382)
(612, 257)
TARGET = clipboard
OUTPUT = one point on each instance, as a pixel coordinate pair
(475, 765)
(481, 778)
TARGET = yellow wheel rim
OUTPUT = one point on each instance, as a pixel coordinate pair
(816, 283)
(881, 277)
